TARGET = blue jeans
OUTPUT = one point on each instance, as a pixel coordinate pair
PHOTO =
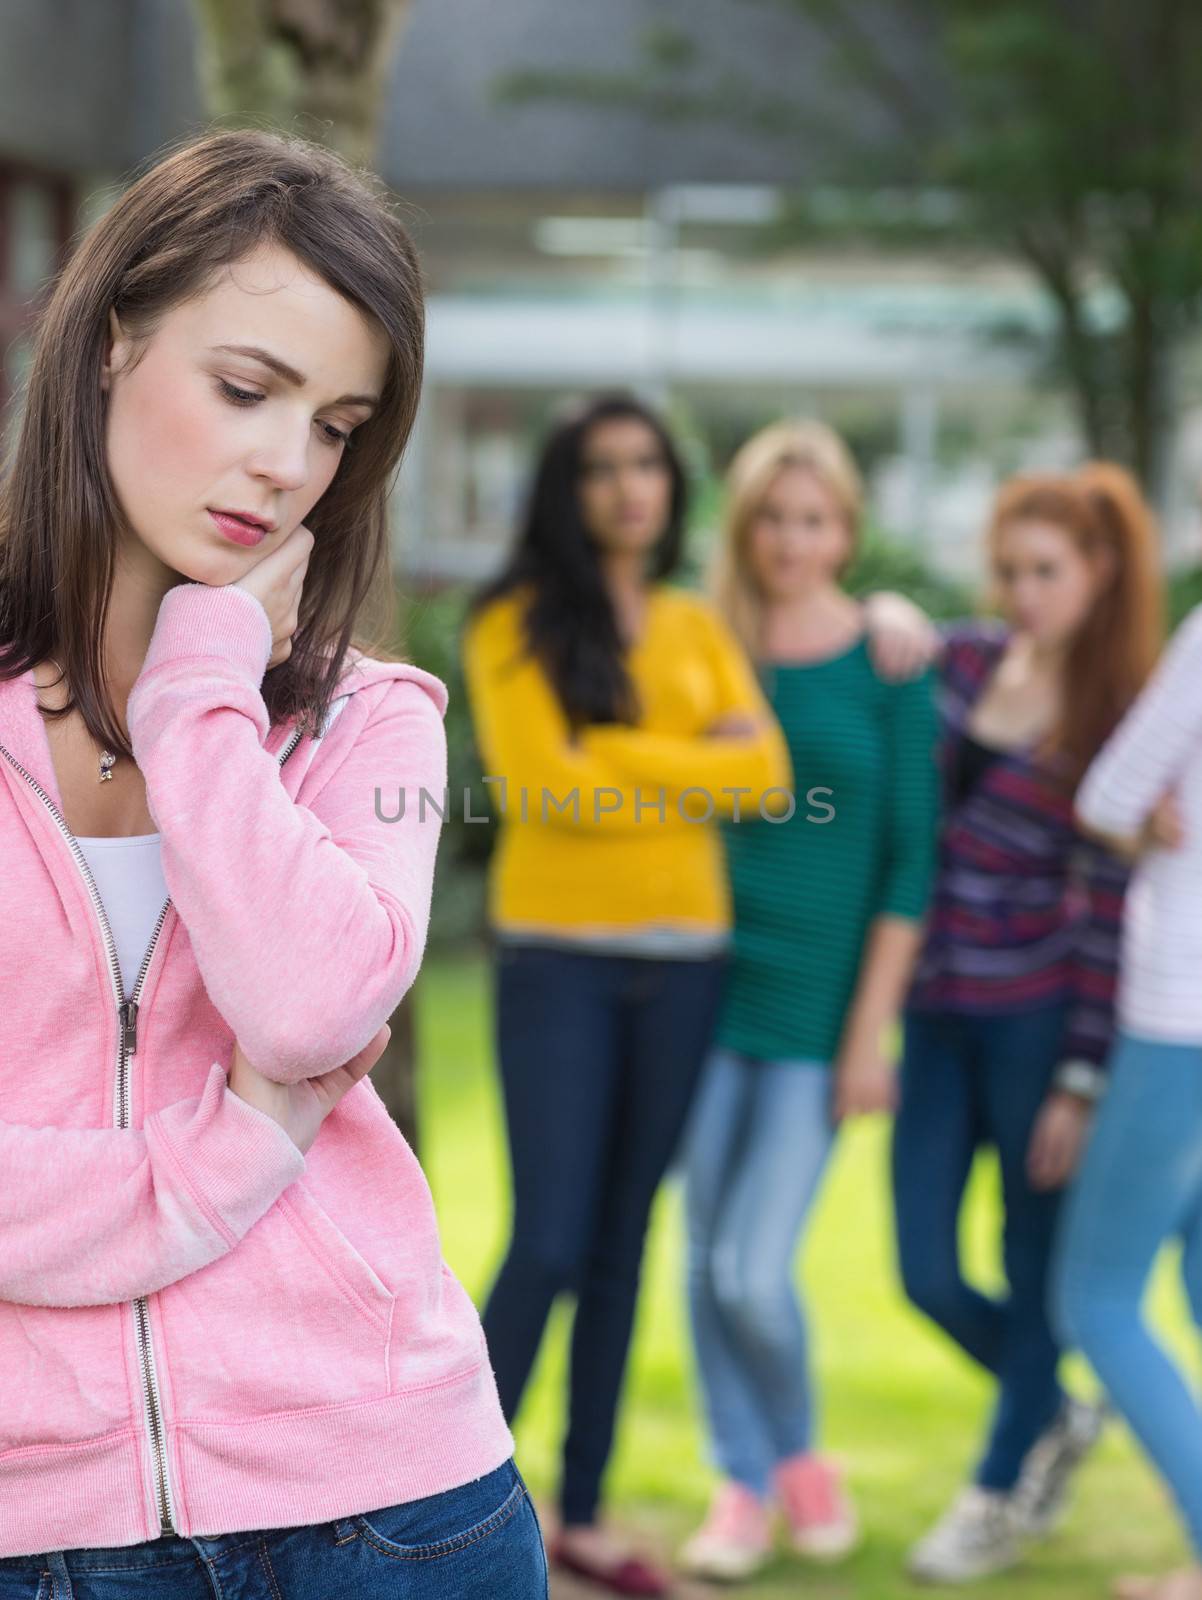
(1140, 1185)
(480, 1542)
(970, 1080)
(599, 1056)
(757, 1145)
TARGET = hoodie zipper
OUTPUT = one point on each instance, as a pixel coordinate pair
(127, 1045)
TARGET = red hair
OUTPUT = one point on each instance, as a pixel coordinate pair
(1101, 509)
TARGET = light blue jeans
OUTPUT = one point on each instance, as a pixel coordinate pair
(1140, 1185)
(757, 1143)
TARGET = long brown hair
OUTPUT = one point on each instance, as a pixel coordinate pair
(1101, 509)
(206, 205)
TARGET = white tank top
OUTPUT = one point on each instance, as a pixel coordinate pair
(129, 879)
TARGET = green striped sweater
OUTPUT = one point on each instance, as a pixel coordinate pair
(859, 844)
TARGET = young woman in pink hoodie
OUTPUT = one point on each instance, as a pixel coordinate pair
(231, 1357)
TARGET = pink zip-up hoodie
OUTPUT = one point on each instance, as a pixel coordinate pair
(200, 1328)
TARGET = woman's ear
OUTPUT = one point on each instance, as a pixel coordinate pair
(115, 351)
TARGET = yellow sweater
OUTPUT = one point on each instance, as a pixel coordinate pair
(592, 836)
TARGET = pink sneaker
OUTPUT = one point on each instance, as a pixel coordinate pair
(821, 1519)
(734, 1541)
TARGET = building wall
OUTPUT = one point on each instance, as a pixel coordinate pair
(92, 86)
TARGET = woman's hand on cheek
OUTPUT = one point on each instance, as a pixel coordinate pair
(277, 582)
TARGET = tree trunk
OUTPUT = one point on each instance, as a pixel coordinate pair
(1147, 391)
(1082, 352)
(395, 1074)
(318, 68)
(315, 67)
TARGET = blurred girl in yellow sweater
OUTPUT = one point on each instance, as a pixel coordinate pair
(617, 719)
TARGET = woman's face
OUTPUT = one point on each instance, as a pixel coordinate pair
(240, 401)
(1047, 584)
(625, 486)
(798, 537)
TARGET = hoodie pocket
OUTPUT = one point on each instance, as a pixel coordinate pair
(334, 1254)
(62, 1374)
(292, 1317)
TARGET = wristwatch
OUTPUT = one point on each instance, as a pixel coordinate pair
(1082, 1078)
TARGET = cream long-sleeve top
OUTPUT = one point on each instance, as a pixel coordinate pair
(1157, 750)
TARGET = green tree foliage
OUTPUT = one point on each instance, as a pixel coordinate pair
(1065, 133)
(888, 563)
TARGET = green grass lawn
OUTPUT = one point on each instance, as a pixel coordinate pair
(899, 1406)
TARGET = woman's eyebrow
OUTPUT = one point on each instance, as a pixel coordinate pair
(290, 374)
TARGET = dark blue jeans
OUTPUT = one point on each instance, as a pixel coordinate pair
(481, 1542)
(599, 1057)
(968, 1081)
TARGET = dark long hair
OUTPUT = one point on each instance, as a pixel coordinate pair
(570, 624)
(208, 204)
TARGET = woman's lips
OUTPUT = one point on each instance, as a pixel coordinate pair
(244, 533)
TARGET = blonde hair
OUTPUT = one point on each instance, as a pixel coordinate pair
(807, 443)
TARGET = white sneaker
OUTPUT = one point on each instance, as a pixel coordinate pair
(735, 1540)
(1040, 1497)
(974, 1538)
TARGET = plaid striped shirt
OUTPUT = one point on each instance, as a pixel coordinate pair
(1026, 911)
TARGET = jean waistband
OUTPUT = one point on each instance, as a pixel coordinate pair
(169, 1551)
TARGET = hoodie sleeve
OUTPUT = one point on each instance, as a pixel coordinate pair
(143, 1207)
(308, 923)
